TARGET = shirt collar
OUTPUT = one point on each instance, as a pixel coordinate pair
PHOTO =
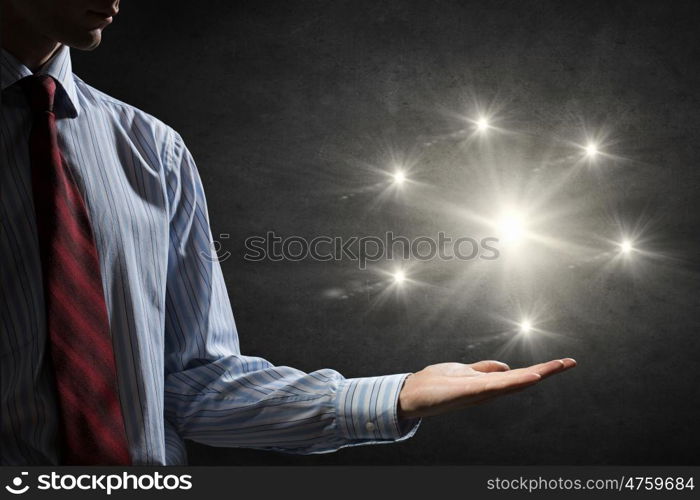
(59, 67)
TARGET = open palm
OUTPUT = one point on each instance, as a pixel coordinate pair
(449, 386)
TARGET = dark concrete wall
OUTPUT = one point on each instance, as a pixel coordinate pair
(285, 104)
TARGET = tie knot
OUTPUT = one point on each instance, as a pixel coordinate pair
(40, 91)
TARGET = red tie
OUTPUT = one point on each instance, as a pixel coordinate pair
(79, 341)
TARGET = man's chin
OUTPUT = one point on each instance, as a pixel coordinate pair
(89, 41)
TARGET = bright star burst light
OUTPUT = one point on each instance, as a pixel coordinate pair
(399, 177)
(482, 124)
(626, 247)
(511, 227)
(399, 277)
(591, 150)
(525, 326)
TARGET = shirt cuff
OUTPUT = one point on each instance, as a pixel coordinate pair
(367, 409)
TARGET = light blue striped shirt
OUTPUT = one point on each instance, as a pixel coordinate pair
(180, 371)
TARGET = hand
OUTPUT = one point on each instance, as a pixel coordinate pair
(450, 386)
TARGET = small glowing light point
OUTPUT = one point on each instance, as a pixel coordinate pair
(399, 177)
(591, 149)
(511, 227)
(626, 247)
(525, 326)
(482, 124)
(399, 277)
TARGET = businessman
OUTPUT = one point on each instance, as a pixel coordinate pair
(118, 339)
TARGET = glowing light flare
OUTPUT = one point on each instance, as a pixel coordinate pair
(482, 124)
(626, 247)
(591, 150)
(525, 326)
(399, 177)
(399, 277)
(511, 227)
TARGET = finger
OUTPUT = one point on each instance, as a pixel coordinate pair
(489, 386)
(569, 362)
(566, 364)
(545, 369)
(510, 381)
(489, 396)
(538, 367)
(554, 366)
(489, 366)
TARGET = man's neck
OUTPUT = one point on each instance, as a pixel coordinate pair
(21, 40)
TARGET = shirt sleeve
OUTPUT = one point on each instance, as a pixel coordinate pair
(217, 396)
